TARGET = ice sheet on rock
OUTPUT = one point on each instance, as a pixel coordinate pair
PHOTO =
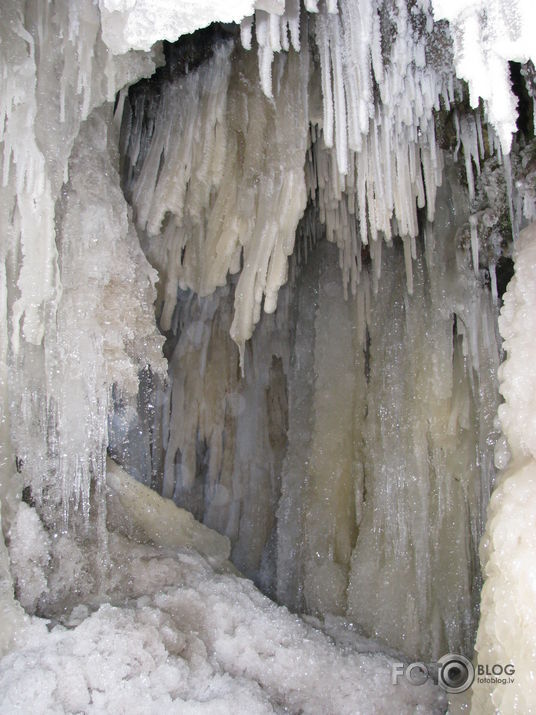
(55, 70)
(345, 449)
(104, 331)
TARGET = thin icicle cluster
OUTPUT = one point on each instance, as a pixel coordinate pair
(487, 34)
(217, 182)
(377, 160)
(277, 28)
(206, 188)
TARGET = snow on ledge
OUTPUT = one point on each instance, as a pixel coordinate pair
(138, 24)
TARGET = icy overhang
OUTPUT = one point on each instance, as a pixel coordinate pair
(138, 24)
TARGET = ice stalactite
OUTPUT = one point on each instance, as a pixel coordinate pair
(200, 171)
(221, 176)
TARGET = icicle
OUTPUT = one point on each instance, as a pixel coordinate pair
(408, 264)
(493, 282)
(509, 191)
(341, 130)
(473, 222)
(327, 94)
(246, 29)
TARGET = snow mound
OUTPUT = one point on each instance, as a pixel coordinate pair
(210, 643)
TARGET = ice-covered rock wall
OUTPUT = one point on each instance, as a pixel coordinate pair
(359, 423)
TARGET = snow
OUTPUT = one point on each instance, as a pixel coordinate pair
(165, 631)
(517, 373)
(138, 24)
(507, 630)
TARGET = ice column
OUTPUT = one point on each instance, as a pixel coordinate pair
(507, 630)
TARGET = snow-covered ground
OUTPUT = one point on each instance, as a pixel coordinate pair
(155, 629)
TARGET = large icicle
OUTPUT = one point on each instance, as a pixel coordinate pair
(40, 117)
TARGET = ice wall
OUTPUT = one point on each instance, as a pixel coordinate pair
(390, 402)
(506, 633)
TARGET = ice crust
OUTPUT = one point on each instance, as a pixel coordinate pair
(138, 24)
(487, 35)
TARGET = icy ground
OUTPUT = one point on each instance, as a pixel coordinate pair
(166, 630)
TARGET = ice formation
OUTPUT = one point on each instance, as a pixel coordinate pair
(343, 450)
(410, 391)
(487, 35)
(507, 628)
(56, 387)
(238, 154)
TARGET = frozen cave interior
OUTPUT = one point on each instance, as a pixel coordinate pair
(267, 355)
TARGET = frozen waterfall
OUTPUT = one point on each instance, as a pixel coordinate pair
(253, 312)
